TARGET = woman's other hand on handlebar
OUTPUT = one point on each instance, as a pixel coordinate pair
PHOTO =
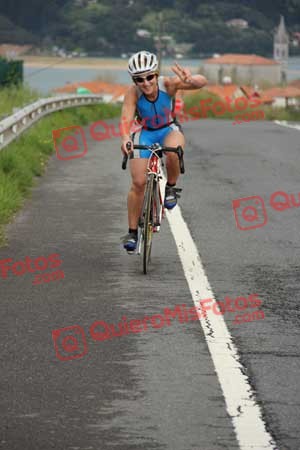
(124, 149)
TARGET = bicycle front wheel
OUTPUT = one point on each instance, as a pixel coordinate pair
(148, 223)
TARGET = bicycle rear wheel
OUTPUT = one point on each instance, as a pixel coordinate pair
(148, 223)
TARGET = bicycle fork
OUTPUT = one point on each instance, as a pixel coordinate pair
(158, 208)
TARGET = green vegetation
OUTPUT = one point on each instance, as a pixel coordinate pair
(11, 72)
(15, 96)
(290, 114)
(26, 158)
(108, 27)
(10, 32)
(193, 107)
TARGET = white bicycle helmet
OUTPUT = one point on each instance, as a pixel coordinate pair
(142, 62)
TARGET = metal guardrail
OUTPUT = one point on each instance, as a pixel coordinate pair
(11, 127)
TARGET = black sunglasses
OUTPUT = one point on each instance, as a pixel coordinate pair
(142, 79)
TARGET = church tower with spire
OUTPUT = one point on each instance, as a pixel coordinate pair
(281, 48)
(281, 43)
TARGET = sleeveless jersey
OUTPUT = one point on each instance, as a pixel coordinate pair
(158, 113)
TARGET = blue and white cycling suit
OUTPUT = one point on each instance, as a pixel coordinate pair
(156, 118)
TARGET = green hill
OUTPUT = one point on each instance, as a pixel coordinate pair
(11, 33)
(109, 27)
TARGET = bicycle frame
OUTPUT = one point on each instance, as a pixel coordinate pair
(153, 167)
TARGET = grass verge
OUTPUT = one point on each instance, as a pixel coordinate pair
(193, 107)
(15, 96)
(25, 158)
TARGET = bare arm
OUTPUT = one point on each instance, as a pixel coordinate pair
(128, 113)
(184, 80)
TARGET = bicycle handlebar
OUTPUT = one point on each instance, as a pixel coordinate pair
(178, 150)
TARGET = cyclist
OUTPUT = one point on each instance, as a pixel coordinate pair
(152, 99)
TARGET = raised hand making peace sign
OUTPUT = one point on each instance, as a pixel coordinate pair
(185, 75)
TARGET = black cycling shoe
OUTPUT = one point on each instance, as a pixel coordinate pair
(171, 196)
(130, 242)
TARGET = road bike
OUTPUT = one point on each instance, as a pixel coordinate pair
(152, 211)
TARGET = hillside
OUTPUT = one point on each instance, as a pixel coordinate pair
(109, 27)
(13, 34)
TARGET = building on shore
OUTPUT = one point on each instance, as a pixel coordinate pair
(111, 92)
(246, 69)
(12, 51)
(295, 83)
(284, 97)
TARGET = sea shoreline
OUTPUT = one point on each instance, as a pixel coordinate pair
(40, 62)
(74, 63)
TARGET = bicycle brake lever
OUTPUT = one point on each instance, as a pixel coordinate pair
(125, 157)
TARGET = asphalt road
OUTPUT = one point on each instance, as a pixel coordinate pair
(160, 388)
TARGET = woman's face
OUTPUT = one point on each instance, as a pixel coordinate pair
(147, 83)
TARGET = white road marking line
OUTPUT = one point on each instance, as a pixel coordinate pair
(284, 123)
(240, 400)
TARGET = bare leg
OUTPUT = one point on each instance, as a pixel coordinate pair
(138, 169)
(173, 139)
